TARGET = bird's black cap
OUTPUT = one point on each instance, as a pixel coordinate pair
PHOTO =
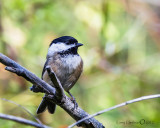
(65, 39)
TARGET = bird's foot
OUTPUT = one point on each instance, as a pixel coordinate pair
(74, 101)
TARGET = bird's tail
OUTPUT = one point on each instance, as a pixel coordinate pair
(46, 104)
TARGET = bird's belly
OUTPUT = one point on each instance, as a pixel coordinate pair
(64, 77)
(67, 72)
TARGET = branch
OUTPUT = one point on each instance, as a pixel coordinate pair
(117, 106)
(22, 121)
(67, 104)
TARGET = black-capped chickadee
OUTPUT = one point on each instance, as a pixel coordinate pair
(66, 63)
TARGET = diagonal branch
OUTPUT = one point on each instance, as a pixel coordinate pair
(60, 91)
(67, 104)
(22, 121)
(117, 106)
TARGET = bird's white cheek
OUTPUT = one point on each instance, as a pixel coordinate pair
(58, 47)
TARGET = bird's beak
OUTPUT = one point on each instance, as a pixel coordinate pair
(79, 44)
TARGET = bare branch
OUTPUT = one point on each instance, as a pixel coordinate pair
(117, 106)
(21, 71)
(67, 104)
(22, 121)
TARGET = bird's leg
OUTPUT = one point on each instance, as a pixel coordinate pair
(73, 100)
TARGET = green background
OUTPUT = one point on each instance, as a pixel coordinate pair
(121, 55)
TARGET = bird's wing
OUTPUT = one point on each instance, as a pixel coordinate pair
(44, 68)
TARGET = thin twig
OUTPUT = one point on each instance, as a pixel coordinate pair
(117, 106)
(22, 121)
(56, 82)
(23, 109)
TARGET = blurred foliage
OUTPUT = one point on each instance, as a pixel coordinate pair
(121, 56)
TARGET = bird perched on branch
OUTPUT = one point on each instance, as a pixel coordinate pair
(66, 63)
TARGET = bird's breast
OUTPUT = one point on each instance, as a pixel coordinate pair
(67, 69)
(71, 62)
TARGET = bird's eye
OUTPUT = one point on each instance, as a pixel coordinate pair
(71, 41)
(68, 43)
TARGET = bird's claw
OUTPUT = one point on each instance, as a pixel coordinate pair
(75, 103)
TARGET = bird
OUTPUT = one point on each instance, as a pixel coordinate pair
(67, 64)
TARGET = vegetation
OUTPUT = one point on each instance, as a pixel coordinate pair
(121, 56)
